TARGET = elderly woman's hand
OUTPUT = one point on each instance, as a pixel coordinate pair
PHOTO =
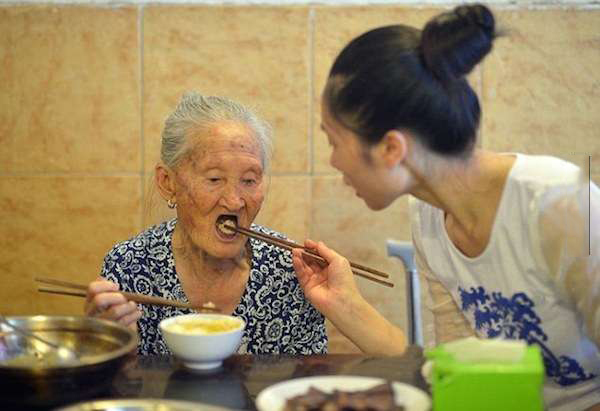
(104, 302)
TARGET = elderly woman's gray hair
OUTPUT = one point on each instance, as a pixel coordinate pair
(196, 112)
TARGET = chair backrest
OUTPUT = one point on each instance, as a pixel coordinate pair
(405, 252)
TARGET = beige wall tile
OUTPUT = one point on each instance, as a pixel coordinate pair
(343, 222)
(60, 227)
(594, 168)
(334, 27)
(70, 89)
(287, 206)
(541, 84)
(255, 55)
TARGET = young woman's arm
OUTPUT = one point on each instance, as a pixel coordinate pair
(333, 291)
(569, 226)
(449, 322)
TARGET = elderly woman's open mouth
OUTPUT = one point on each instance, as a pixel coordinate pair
(223, 224)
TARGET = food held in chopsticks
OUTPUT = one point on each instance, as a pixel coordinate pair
(378, 398)
(226, 224)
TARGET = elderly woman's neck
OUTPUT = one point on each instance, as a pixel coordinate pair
(202, 265)
(205, 264)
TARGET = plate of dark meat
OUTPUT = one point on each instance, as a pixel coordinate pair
(347, 393)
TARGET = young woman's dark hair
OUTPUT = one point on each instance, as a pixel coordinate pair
(397, 77)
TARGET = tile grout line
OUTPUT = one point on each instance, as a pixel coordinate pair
(143, 174)
(311, 119)
(499, 5)
(141, 97)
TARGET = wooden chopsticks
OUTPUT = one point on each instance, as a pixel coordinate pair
(138, 298)
(310, 254)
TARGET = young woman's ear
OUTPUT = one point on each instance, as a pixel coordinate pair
(394, 148)
(165, 181)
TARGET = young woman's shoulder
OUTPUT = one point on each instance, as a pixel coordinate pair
(424, 218)
(546, 185)
(545, 171)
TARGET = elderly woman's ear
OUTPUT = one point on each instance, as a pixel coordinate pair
(165, 181)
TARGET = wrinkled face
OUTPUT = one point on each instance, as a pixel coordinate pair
(220, 178)
(351, 158)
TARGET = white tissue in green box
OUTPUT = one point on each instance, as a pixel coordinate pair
(491, 375)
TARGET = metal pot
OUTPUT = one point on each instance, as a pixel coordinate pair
(102, 347)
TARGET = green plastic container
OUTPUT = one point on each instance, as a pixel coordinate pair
(460, 386)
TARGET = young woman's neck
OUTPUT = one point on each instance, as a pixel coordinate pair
(463, 188)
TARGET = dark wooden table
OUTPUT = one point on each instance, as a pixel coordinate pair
(236, 384)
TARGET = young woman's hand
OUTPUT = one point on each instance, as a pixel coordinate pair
(329, 288)
(104, 302)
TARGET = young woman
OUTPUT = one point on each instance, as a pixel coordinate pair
(504, 236)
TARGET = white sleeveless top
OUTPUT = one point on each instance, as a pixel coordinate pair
(522, 285)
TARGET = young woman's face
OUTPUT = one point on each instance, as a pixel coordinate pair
(354, 160)
(221, 176)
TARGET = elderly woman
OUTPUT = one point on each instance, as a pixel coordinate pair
(214, 156)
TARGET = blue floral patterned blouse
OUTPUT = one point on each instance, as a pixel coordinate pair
(279, 319)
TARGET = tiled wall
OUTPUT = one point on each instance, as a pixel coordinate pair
(84, 91)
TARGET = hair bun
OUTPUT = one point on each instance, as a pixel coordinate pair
(479, 15)
(453, 43)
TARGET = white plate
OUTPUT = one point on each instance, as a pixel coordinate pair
(273, 398)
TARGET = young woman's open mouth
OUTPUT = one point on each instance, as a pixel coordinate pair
(224, 221)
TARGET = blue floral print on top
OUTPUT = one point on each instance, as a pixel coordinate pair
(279, 319)
(515, 318)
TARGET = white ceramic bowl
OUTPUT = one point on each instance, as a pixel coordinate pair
(188, 339)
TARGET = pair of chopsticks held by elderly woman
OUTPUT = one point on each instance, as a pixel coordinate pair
(508, 243)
